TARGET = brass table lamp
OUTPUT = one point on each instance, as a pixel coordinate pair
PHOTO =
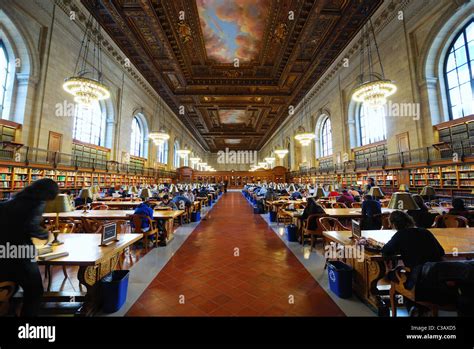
(61, 203)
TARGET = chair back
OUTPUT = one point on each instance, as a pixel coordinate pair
(7, 290)
(450, 221)
(338, 205)
(313, 218)
(100, 207)
(356, 205)
(445, 203)
(91, 226)
(136, 221)
(332, 224)
(384, 219)
(67, 228)
(433, 204)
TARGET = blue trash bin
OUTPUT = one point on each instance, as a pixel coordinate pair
(273, 216)
(292, 233)
(340, 278)
(114, 288)
(195, 216)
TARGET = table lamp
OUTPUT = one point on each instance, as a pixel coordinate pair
(402, 201)
(404, 187)
(61, 203)
(428, 192)
(376, 192)
(146, 193)
(319, 193)
(85, 194)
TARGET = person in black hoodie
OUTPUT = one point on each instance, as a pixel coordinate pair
(422, 217)
(312, 208)
(20, 220)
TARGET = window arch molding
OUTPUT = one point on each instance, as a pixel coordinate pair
(140, 119)
(23, 67)
(432, 57)
(321, 122)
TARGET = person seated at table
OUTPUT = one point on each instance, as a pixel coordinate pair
(144, 209)
(333, 193)
(271, 195)
(312, 207)
(297, 195)
(416, 246)
(422, 217)
(189, 195)
(181, 201)
(371, 210)
(370, 183)
(459, 209)
(346, 198)
(166, 202)
(110, 191)
(355, 194)
(78, 201)
(203, 192)
(20, 219)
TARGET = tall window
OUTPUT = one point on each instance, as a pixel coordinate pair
(459, 73)
(4, 62)
(186, 161)
(371, 125)
(326, 138)
(89, 124)
(137, 142)
(163, 153)
(176, 155)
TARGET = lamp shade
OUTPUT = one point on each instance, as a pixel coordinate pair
(428, 191)
(95, 189)
(61, 203)
(319, 192)
(376, 192)
(133, 189)
(173, 189)
(402, 201)
(85, 193)
(330, 188)
(146, 193)
(291, 188)
(404, 187)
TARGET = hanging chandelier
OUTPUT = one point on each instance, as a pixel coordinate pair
(373, 88)
(160, 137)
(270, 160)
(183, 152)
(262, 164)
(195, 160)
(86, 83)
(302, 136)
(281, 153)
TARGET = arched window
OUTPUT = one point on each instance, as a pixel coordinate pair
(459, 73)
(89, 124)
(4, 62)
(175, 154)
(137, 143)
(163, 153)
(289, 156)
(186, 161)
(371, 124)
(326, 138)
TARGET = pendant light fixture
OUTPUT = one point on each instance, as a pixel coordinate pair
(302, 136)
(159, 137)
(373, 88)
(86, 84)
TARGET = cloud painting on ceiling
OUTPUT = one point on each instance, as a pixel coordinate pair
(233, 116)
(232, 28)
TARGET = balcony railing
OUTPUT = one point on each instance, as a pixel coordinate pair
(35, 156)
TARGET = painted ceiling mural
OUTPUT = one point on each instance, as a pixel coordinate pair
(232, 28)
(233, 116)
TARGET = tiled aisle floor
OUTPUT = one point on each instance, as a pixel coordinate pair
(234, 264)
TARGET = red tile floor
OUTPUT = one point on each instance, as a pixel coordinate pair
(233, 264)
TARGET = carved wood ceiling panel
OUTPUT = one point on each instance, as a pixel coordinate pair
(184, 48)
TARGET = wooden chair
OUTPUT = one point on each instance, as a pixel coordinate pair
(356, 205)
(7, 290)
(281, 216)
(91, 226)
(450, 221)
(331, 224)
(338, 205)
(385, 219)
(136, 223)
(433, 204)
(397, 287)
(445, 204)
(64, 228)
(312, 233)
(100, 207)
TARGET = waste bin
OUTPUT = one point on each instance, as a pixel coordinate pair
(292, 233)
(340, 278)
(273, 216)
(257, 210)
(114, 288)
(195, 216)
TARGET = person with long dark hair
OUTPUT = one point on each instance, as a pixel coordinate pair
(20, 220)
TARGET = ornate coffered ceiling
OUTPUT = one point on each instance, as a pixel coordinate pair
(234, 65)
